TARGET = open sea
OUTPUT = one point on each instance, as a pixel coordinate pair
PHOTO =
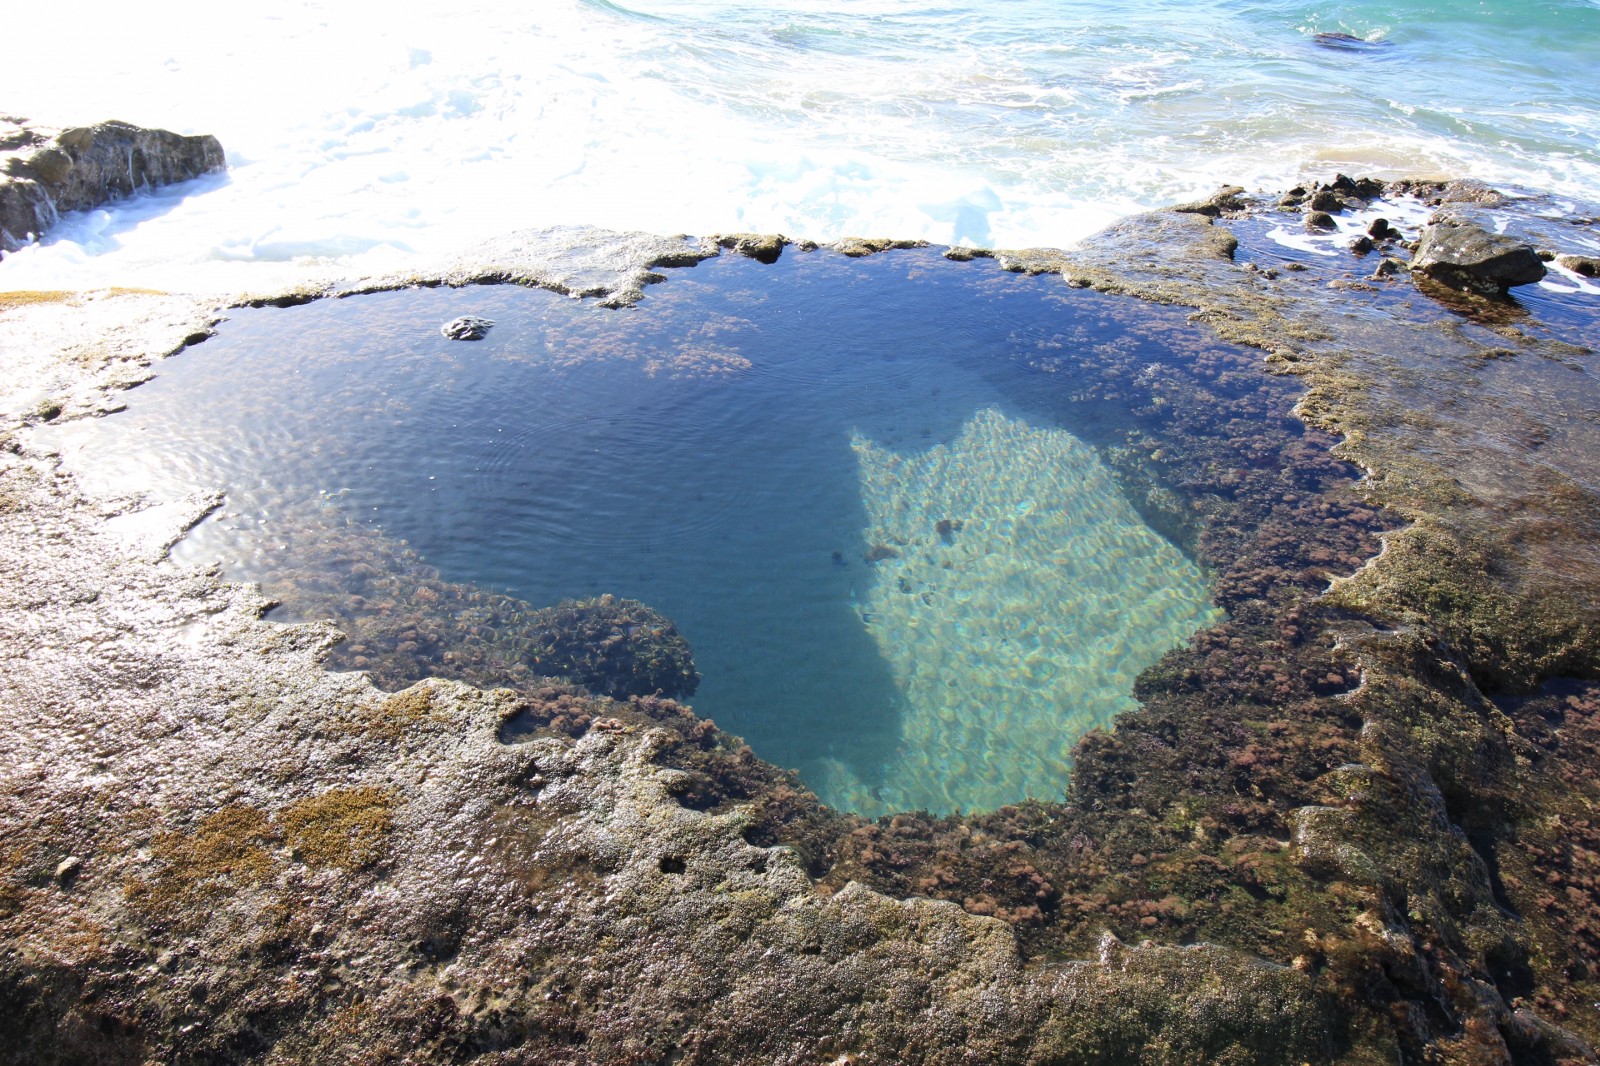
(361, 133)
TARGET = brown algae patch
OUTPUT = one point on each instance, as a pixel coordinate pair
(341, 827)
(235, 847)
(228, 850)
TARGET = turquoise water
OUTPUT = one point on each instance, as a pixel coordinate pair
(871, 494)
(1032, 122)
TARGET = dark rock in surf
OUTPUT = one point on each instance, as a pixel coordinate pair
(43, 172)
(1320, 222)
(1345, 42)
(1327, 200)
(762, 247)
(1464, 255)
(1586, 265)
(467, 328)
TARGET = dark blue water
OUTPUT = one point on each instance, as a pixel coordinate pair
(693, 453)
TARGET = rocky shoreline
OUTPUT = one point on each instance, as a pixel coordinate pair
(44, 172)
(1349, 824)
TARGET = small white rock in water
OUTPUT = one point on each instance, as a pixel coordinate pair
(68, 868)
(466, 328)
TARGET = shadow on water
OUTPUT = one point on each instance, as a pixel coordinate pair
(693, 453)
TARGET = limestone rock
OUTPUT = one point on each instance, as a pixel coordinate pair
(856, 247)
(1226, 200)
(1463, 255)
(762, 247)
(43, 173)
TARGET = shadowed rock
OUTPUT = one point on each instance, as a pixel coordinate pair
(1587, 265)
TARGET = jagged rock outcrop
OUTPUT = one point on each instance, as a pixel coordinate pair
(44, 172)
(1464, 255)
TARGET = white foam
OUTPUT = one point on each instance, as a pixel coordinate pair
(363, 134)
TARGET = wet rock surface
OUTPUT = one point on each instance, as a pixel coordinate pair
(1375, 795)
(44, 172)
(467, 328)
(1463, 255)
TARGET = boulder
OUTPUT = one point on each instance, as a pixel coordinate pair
(43, 173)
(1464, 255)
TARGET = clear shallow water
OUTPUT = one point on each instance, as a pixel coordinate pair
(361, 133)
(765, 454)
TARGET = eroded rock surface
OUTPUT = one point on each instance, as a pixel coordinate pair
(217, 851)
(44, 172)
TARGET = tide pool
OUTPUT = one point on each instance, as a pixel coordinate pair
(875, 496)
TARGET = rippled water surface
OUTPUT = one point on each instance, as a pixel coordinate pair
(872, 494)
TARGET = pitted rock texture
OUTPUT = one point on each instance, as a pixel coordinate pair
(44, 172)
(217, 851)
(214, 851)
(268, 861)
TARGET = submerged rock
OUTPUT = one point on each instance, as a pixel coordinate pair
(467, 328)
(43, 173)
(1345, 42)
(614, 647)
(1464, 255)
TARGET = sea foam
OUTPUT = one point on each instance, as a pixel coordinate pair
(362, 135)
